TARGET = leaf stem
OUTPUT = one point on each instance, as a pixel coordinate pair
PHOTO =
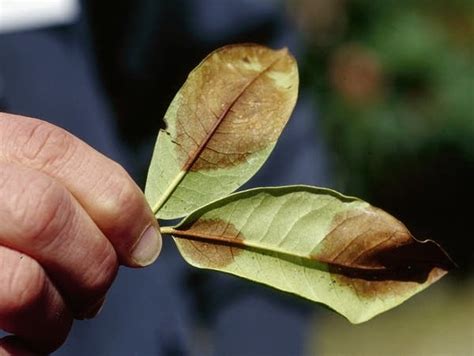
(166, 230)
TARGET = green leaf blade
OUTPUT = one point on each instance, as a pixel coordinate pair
(221, 127)
(315, 243)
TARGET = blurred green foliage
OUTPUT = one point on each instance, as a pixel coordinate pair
(394, 81)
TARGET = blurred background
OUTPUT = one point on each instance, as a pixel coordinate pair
(385, 112)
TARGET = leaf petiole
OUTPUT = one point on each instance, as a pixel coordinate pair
(166, 230)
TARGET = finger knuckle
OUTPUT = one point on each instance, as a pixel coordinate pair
(44, 146)
(120, 198)
(51, 216)
(100, 276)
(40, 211)
(24, 286)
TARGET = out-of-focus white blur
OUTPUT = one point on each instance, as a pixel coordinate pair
(18, 15)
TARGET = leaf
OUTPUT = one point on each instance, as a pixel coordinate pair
(316, 243)
(221, 127)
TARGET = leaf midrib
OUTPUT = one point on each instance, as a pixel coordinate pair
(243, 244)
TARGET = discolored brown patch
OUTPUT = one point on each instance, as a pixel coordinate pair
(372, 289)
(225, 238)
(375, 254)
(235, 103)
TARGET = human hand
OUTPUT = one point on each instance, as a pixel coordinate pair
(68, 217)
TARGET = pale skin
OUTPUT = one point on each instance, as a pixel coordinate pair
(69, 216)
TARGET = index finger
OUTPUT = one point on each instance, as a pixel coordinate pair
(105, 190)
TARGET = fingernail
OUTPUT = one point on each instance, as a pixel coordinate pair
(148, 247)
(95, 309)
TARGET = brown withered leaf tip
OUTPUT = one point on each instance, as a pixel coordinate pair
(232, 106)
(364, 250)
(217, 254)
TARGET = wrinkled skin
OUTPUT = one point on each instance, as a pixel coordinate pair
(69, 217)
